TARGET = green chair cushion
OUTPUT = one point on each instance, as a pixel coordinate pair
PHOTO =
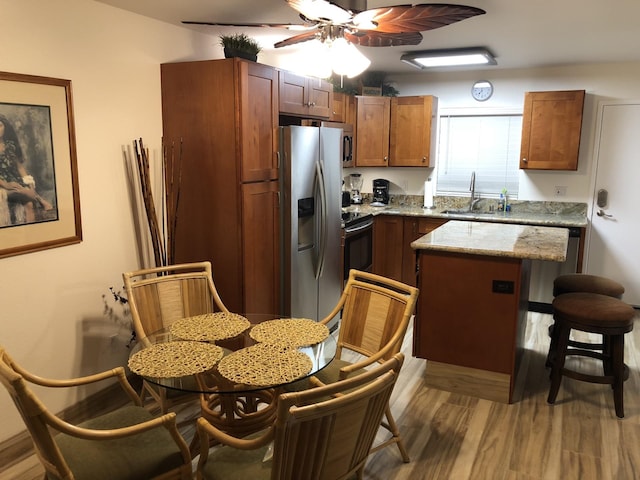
(132, 458)
(226, 463)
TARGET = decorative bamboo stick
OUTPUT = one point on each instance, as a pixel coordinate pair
(162, 235)
(147, 195)
(172, 172)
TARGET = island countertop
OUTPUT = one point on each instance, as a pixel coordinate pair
(498, 240)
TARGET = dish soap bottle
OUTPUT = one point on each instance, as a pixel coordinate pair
(502, 202)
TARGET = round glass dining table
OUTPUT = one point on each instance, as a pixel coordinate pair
(233, 406)
(320, 355)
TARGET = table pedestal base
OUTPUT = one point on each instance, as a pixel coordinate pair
(240, 414)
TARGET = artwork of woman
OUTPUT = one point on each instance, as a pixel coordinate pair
(19, 199)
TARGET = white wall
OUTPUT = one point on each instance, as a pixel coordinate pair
(51, 319)
(453, 89)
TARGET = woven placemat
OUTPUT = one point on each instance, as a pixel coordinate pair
(294, 332)
(175, 359)
(209, 327)
(265, 364)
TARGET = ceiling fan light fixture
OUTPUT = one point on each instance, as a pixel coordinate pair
(315, 60)
(346, 59)
(449, 58)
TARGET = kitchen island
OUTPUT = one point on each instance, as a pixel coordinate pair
(471, 316)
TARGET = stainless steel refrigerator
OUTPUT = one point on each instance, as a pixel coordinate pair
(311, 178)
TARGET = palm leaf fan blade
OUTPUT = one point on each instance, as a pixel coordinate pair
(417, 18)
(303, 37)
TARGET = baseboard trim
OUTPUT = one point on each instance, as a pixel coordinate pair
(540, 307)
(15, 449)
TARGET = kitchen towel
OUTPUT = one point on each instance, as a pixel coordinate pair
(428, 194)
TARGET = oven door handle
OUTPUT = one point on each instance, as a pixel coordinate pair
(358, 228)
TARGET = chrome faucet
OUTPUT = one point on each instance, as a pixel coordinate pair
(472, 188)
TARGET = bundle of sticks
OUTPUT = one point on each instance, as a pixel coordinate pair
(162, 235)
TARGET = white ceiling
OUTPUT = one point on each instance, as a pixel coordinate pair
(520, 33)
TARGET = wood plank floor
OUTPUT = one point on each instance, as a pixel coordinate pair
(457, 437)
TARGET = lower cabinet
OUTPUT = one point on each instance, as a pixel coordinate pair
(414, 228)
(388, 246)
(393, 256)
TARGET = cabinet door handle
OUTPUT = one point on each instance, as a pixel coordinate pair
(524, 160)
(386, 159)
(424, 159)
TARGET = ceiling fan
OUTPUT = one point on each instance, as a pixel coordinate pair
(349, 19)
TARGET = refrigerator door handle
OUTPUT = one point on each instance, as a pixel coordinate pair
(322, 237)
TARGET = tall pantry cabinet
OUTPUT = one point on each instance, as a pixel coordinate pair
(224, 114)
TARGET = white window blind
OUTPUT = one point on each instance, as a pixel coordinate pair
(486, 144)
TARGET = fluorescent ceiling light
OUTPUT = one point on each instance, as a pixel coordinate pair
(449, 58)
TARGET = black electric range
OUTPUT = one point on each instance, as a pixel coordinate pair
(353, 219)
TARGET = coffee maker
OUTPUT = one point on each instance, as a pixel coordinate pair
(381, 191)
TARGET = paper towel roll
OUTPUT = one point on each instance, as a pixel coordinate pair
(428, 194)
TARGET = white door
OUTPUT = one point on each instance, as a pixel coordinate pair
(613, 249)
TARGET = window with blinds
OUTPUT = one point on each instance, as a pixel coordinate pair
(486, 144)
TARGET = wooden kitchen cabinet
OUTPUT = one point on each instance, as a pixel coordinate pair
(224, 115)
(388, 231)
(393, 256)
(344, 108)
(551, 126)
(412, 136)
(261, 248)
(305, 96)
(395, 131)
(414, 228)
(373, 117)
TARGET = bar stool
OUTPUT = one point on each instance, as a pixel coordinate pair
(582, 282)
(594, 313)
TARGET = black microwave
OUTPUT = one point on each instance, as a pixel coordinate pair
(348, 145)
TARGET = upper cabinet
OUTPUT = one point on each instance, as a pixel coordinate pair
(551, 125)
(413, 131)
(257, 99)
(305, 96)
(395, 131)
(344, 108)
(373, 116)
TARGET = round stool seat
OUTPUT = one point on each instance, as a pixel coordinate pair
(593, 310)
(581, 282)
(592, 313)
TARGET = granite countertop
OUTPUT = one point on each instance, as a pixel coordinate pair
(558, 214)
(497, 240)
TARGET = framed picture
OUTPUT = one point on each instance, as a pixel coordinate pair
(39, 196)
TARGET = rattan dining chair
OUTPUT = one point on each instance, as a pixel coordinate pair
(158, 297)
(375, 315)
(127, 443)
(320, 433)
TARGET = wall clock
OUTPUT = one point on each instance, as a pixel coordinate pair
(482, 90)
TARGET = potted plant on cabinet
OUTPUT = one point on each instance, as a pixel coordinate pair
(240, 45)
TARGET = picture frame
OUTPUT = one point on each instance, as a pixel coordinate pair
(39, 193)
